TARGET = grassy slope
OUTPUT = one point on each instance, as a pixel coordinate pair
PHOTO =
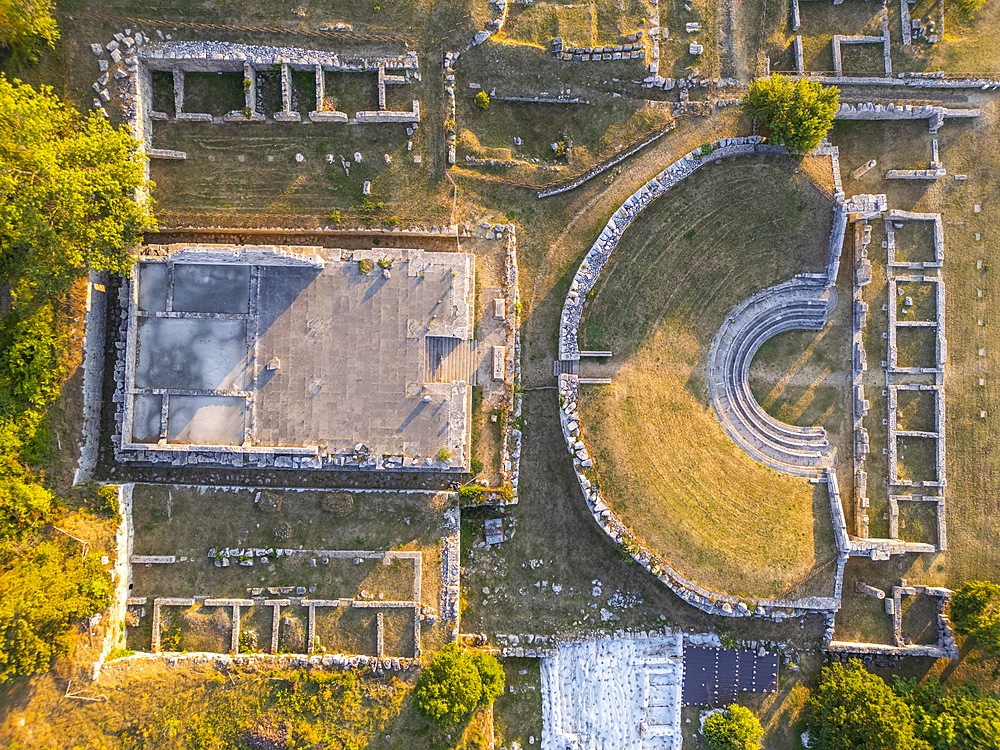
(661, 453)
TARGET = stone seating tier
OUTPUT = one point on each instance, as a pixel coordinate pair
(802, 303)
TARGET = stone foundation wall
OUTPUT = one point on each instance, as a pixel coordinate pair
(121, 574)
(94, 338)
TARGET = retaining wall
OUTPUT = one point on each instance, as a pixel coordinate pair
(114, 636)
(94, 338)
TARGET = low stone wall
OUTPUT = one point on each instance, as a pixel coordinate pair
(593, 263)
(376, 116)
(212, 57)
(916, 174)
(314, 661)
(451, 566)
(878, 112)
(94, 337)
(510, 451)
(914, 80)
(121, 575)
(594, 171)
(840, 40)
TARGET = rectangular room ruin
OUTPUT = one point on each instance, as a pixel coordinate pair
(297, 357)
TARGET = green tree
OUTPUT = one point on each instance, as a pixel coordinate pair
(43, 591)
(24, 507)
(492, 675)
(975, 611)
(455, 682)
(736, 728)
(951, 718)
(67, 194)
(795, 114)
(483, 101)
(25, 27)
(852, 708)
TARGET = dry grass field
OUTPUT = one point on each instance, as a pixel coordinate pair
(973, 463)
(965, 49)
(661, 456)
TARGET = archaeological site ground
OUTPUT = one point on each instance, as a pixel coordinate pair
(502, 324)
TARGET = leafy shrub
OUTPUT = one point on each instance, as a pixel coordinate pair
(31, 356)
(455, 682)
(483, 99)
(248, 642)
(975, 611)
(26, 27)
(492, 675)
(473, 494)
(736, 728)
(24, 507)
(444, 454)
(475, 466)
(946, 718)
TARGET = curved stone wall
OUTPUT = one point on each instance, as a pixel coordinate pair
(569, 352)
(804, 302)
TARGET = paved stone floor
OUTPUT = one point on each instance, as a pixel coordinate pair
(354, 358)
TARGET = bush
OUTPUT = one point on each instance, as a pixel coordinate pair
(947, 718)
(492, 675)
(248, 642)
(483, 99)
(444, 454)
(455, 682)
(24, 508)
(736, 728)
(475, 466)
(26, 26)
(31, 355)
(43, 592)
(795, 114)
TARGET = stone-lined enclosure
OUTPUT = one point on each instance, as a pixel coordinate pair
(222, 57)
(406, 596)
(252, 355)
(569, 381)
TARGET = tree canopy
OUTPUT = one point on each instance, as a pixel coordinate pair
(852, 708)
(455, 682)
(736, 728)
(43, 591)
(794, 114)
(26, 26)
(975, 611)
(948, 719)
(67, 193)
(67, 203)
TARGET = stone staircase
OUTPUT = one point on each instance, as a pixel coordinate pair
(447, 359)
